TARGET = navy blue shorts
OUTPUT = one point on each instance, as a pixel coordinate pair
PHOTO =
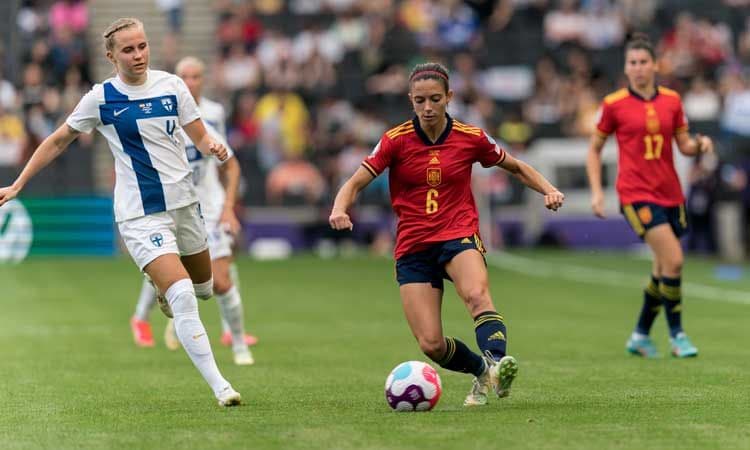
(428, 266)
(642, 216)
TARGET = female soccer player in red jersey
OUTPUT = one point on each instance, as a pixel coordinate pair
(646, 117)
(430, 159)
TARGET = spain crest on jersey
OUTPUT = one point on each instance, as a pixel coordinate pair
(434, 176)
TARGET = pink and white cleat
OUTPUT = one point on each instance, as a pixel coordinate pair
(141, 332)
(226, 339)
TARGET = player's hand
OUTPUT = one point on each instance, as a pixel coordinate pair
(340, 220)
(229, 221)
(597, 205)
(217, 149)
(554, 200)
(705, 144)
(7, 194)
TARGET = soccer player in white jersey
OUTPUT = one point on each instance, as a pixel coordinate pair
(140, 112)
(217, 196)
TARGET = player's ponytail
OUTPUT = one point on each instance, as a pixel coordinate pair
(640, 41)
(430, 71)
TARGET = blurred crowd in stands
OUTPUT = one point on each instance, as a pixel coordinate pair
(310, 85)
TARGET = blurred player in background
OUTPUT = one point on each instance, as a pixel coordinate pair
(142, 113)
(646, 117)
(430, 159)
(217, 186)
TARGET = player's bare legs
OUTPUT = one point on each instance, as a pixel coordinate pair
(469, 274)
(421, 303)
(230, 306)
(173, 280)
(669, 256)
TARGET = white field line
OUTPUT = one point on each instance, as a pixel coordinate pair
(591, 275)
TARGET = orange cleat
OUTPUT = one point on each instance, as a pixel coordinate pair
(226, 339)
(141, 332)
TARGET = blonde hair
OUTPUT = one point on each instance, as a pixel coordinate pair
(187, 62)
(119, 24)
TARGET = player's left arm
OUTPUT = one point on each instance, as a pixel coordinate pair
(207, 145)
(229, 173)
(553, 198)
(693, 145)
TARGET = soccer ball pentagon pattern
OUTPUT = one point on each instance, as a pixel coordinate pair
(413, 386)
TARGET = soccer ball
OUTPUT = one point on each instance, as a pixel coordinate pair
(413, 386)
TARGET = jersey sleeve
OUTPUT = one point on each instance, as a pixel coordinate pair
(605, 124)
(488, 152)
(680, 120)
(85, 117)
(381, 156)
(187, 108)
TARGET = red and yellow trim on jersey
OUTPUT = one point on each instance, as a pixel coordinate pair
(616, 96)
(467, 129)
(370, 169)
(600, 133)
(501, 159)
(669, 92)
(404, 128)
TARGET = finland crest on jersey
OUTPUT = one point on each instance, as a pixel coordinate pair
(205, 168)
(143, 127)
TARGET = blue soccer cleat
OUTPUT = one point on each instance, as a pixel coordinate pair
(682, 347)
(642, 346)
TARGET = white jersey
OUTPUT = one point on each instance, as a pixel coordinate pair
(143, 126)
(210, 191)
(211, 194)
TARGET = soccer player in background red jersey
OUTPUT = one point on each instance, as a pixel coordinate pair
(430, 159)
(645, 118)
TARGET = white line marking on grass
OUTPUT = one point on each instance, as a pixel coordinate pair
(592, 275)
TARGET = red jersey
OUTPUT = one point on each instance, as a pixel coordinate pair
(644, 130)
(430, 182)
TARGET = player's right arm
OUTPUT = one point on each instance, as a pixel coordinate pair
(48, 150)
(371, 167)
(605, 125)
(339, 218)
(594, 172)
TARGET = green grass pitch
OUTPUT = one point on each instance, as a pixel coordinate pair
(331, 330)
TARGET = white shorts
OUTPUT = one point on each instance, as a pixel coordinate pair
(220, 240)
(179, 231)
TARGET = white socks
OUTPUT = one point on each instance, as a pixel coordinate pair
(146, 301)
(192, 334)
(204, 290)
(230, 306)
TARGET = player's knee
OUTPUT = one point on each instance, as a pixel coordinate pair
(672, 266)
(476, 297)
(432, 346)
(222, 285)
(181, 298)
(204, 290)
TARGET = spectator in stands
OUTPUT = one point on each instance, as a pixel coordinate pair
(12, 138)
(8, 98)
(294, 181)
(239, 70)
(284, 126)
(70, 16)
(701, 102)
(564, 25)
(457, 25)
